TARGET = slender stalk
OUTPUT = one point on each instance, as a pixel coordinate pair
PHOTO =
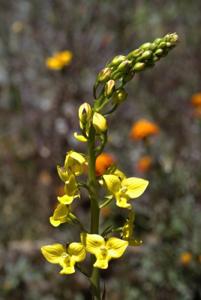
(92, 183)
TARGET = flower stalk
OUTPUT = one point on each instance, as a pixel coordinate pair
(118, 189)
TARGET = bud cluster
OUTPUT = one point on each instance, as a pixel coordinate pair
(122, 68)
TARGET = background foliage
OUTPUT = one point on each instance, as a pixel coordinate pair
(38, 114)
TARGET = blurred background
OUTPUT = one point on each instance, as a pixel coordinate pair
(38, 115)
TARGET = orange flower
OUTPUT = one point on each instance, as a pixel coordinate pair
(103, 161)
(144, 163)
(142, 129)
(196, 100)
(185, 258)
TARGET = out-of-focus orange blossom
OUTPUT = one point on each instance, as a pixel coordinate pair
(45, 178)
(105, 211)
(103, 162)
(185, 258)
(144, 164)
(199, 258)
(196, 100)
(142, 129)
(59, 60)
(59, 191)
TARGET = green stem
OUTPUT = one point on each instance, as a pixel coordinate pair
(93, 191)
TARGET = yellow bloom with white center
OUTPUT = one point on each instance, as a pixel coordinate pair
(125, 189)
(65, 257)
(74, 163)
(60, 215)
(99, 122)
(103, 250)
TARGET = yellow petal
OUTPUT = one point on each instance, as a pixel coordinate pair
(92, 242)
(53, 253)
(65, 199)
(80, 137)
(68, 265)
(121, 201)
(71, 186)
(119, 174)
(75, 162)
(77, 251)
(112, 182)
(63, 174)
(135, 186)
(101, 263)
(60, 215)
(99, 122)
(116, 247)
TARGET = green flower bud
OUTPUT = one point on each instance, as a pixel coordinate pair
(139, 66)
(124, 66)
(147, 54)
(117, 60)
(109, 88)
(145, 46)
(157, 41)
(119, 96)
(104, 75)
(116, 75)
(162, 45)
(159, 52)
(135, 53)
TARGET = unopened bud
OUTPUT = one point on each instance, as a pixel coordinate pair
(84, 112)
(119, 96)
(147, 54)
(159, 52)
(135, 53)
(145, 46)
(104, 75)
(99, 122)
(109, 88)
(139, 66)
(124, 66)
(117, 60)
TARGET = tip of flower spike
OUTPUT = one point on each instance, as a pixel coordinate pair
(173, 38)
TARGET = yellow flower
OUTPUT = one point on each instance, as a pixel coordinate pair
(59, 60)
(103, 250)
(99, 122)
(71, 191)
(84, 112)
(74, 163)
(65, 257)
(60, 215)
(185, 258)
(125, 189)
(142, 129)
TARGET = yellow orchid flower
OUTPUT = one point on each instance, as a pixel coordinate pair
(99, 122)
(80, 138)
(71, 191)
(125, 189)
(60, 215)
(103, 250)
(74, 163)
(65, 257)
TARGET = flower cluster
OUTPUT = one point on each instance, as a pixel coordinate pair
(105, 183)
(118, 187)
(59, 60)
